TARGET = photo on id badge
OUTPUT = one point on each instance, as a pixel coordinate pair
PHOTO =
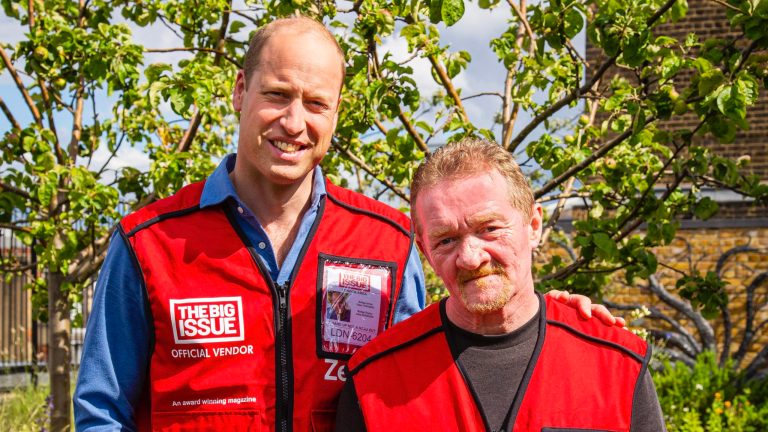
(352, 303)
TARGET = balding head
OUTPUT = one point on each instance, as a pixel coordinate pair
(294, 25)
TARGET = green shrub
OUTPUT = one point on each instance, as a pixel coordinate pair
(25, 409)
(709, 398)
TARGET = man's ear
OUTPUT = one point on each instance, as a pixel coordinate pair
(239, 91)
(536, 227)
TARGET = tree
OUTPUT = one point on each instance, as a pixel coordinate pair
(76, 59)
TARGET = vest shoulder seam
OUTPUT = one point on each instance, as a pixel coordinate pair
(161, 217)
(635, 355)
(397, 347)
(407, 232)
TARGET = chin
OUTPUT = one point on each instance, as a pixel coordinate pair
(289, 177)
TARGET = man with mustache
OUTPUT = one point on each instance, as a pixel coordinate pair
(208, 311)
(495, 355)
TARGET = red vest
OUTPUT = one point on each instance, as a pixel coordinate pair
(232, 351)
(582, 376)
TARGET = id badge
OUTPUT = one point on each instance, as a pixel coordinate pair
(352, 303)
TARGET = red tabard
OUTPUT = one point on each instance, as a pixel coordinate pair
(230, 352)
(583, 377)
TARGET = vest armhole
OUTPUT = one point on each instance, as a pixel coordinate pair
(406, 232)
(397, 347)
(142, 280)
(161, 217)
(643, 369)
(638, 357)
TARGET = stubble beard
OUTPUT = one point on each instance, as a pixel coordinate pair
(497, 301)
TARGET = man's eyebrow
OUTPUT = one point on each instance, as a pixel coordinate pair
(484, 218)
(438, 232)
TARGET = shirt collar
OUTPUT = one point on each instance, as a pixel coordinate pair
(218, 188)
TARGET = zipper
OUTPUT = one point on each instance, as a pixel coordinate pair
(282, 336)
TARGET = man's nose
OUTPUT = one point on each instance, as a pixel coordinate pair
(293, 120)
(471, 254)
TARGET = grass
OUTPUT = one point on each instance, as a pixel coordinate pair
(24, 409)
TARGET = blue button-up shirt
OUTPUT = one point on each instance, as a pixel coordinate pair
(119, 338)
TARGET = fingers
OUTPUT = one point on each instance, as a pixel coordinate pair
(586, 309)
(561, 296)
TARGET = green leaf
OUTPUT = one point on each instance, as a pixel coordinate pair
(679, 10)
(705, 208)
(435, 11)
(606, 247)
(574, 22)
(451, 11)
(236, 26)
(709, 81)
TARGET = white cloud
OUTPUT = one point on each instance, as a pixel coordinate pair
(134, 157)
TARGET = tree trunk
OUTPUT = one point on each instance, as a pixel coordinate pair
(59, 330)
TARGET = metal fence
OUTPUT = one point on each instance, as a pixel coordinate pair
(23, 338)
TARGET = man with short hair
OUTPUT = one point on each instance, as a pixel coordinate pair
(495, 355)
(209, 311)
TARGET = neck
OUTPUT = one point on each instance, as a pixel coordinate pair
(270, 202)
(278, 208)
(518, 311)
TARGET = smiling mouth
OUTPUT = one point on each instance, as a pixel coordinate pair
(287, 147)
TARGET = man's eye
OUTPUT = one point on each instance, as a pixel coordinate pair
(317, 105)
(445, 241)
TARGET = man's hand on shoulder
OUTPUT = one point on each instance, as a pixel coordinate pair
(585, 307)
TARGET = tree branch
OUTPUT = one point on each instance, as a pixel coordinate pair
(361, 163)
(14, 227)
(726, 5)
(194, 122)
(520, 12)
(749, 307)
(77, 120)
(483, 94)
(380, 126)
(706, 332)
(556, 213)
(19, 269)
(448, 86)
(88, 263)
(13, 189)
(20, 85)
(597, 154)
(413, 132)
(9, 115)
(508, 114)
(223, 54)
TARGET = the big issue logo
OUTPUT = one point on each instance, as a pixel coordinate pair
(208, 320)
